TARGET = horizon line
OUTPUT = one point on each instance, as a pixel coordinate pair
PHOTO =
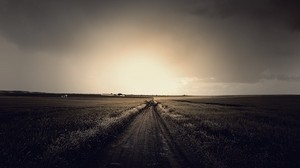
(134, 94)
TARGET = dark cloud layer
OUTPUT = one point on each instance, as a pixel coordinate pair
(50, 24)
(248, 38)
(32, 23)
(275, 12)
(35, 23)
(257, 35)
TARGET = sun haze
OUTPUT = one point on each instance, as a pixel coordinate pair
(150, 47)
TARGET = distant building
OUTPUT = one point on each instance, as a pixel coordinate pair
(120, 94)
(64, 96)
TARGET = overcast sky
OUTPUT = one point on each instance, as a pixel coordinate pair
(151, 47)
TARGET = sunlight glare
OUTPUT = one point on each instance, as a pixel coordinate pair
(145, 74)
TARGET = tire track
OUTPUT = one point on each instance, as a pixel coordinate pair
(145, 143)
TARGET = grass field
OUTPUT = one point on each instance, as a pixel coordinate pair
(220, 131)
(53, 131)
(237, 131)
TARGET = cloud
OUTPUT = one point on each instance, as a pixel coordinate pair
(34, 24)
(282, 77)
(216, 44)
(274, 12)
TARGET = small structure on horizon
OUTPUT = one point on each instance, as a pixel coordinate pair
(64, 96)
(121, 95)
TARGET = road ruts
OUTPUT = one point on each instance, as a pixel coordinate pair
(145, 143)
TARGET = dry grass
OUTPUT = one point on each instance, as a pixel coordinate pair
(237, 131)
(52, 132)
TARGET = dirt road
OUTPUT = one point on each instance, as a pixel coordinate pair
(145, 143)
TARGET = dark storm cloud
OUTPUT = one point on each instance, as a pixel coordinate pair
(43, 23)
(275, 12)
(256, 35)
(33, 24)
(247, 38)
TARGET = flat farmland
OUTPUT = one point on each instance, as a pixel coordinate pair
(237, 131)
(48, 132)
(209, 131)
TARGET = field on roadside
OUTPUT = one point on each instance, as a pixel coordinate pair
(237, 131)
(52, 132)
(217, 131)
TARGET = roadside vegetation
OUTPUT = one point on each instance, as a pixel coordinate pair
(236, 131)
(54, 132)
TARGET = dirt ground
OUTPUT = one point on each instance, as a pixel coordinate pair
(145, 143)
